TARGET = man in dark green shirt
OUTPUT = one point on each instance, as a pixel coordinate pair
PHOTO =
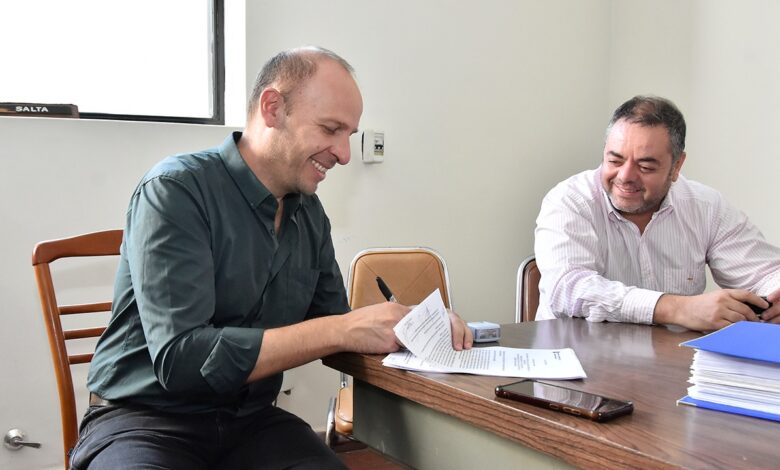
(227, 278)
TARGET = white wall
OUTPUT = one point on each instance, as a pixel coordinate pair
(485, 106)
(61, 177)
(735, 105)
(718, 60)
(483, 109)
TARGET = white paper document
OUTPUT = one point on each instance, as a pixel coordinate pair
(427, 335)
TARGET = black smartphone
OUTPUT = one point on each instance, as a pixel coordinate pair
(758, 310)
(567, 400)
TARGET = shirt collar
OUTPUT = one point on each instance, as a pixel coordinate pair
(250, 186)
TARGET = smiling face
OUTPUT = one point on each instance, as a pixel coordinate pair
(637, 170)
(313, 129)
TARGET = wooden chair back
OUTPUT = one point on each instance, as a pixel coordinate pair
(103, 243)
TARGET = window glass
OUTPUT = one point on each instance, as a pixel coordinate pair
(137, 58)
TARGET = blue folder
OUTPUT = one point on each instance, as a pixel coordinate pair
(687, 400)
(747, 340)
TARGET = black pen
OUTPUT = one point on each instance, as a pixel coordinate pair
(385, 290)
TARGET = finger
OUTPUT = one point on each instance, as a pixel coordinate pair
(458, 333)
(739, 294)
(775, 319)
(734, 312)
(758, 301)
(468, 341)
(745, 303)
(468, 338)
(745, 313)
(748, 297)
(397, 340)
(774, 297)
(772, 314)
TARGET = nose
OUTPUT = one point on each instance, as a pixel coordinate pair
(341, 150)
(627, 171)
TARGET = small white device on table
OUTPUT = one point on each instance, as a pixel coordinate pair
(485, 331)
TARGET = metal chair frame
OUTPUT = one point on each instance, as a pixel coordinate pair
(524, 290)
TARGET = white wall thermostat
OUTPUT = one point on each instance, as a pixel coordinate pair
(484, 331)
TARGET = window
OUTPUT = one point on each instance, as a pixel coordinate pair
(148, 60)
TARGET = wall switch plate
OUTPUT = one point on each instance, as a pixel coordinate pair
(373, 146)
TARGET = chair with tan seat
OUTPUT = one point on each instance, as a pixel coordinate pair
(411, 274)
(527, 297)
(105, 243)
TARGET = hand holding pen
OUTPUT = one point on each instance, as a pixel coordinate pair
(390, 298)
(462, 338)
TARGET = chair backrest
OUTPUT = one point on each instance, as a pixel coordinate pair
(528, 277)
(103, 243)
(410, 273)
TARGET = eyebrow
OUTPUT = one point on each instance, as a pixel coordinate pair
(647, 159)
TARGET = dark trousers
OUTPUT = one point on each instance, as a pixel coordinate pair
(127, 437)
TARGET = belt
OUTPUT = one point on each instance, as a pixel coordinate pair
(97, 400)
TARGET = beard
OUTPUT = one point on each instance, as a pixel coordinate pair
(645, 206)
(641, 207)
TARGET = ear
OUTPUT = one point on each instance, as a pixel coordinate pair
(678, 166)
(271, 108)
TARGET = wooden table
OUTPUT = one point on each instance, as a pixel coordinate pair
(640, 363)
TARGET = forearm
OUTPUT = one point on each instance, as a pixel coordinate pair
(294, 345)
(707, 312)
(667, 309)
(365, 330)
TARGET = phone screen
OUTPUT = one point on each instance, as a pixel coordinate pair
(565, 399)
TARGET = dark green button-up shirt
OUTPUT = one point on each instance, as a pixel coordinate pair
(201, 276)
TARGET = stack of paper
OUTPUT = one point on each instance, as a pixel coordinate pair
(737, 370)
(426, 332)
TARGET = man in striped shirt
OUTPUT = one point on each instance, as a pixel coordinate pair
(629, 241)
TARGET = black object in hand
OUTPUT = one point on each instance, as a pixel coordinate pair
(758, 310)
(385, 290)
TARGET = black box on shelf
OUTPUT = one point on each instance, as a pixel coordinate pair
(39, 110)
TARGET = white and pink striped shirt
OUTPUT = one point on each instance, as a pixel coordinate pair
(595, 263)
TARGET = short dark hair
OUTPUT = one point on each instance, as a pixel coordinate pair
(654, 111)
(290, 69)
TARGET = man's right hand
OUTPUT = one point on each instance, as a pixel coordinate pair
(370, 329)
(707, 312)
